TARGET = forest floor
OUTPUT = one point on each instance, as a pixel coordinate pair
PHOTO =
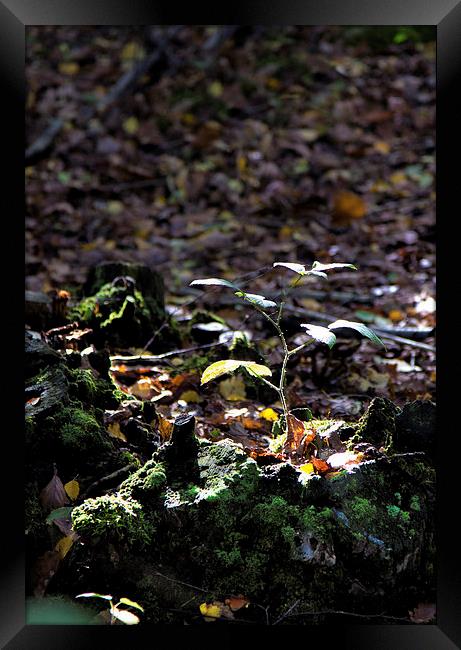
(216, 152)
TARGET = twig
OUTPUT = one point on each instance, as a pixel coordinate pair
(342, 613)
(287, 613)
(109, 478)
(180, 582)
(158, 357)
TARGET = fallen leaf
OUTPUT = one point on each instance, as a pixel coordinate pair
(233, 389)
(343, 458)
(53, 495)
(308, 468)
(190, 396)
(115, 431)
(33, 400)
(64, 546)
(237, 602)
(131, 125)
(44, 569)
(347, 206)
(164, 427)
(73, 489)
(269, 414)
(296, 431)
(69, 68)
(320, 465)
(211, 611)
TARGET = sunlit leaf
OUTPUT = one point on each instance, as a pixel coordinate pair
(92, 594)
(125, 616)
(214, 281)
(211, 611)
(321, 334)
(359, 327)
(261, 301)
(317, 266)
(63, 546)
(308, 468)
(127, 601)
(269, 414)
(343, 458)
(73, 489)
(297, 268)
(229, 365)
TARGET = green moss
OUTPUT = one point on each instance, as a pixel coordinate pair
(148, 480)
(112, 517)
(362, 514)
(79, 432)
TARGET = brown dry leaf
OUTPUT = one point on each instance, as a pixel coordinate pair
(44, 569)
(296, 431)
(237, 602)
(423, 613)
(144, 388)
(33, 400)
(320, 465)
(165, 428)
(347, 206)
(53, 495)
(115, 432)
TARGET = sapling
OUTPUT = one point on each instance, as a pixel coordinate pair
(273, 312)
(115, 612)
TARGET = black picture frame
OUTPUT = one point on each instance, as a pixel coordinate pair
(15, 15)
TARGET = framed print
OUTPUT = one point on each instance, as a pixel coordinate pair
(233, 420)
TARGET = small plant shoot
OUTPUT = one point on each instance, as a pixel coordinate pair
(316, 333)
(115, 611)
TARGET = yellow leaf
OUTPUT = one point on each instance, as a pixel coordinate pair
(64, 546)
(269, 414)
(73, 489)
(348, 206)
(114, 207)
(115, 432)
(215, 89)
(131, 51)
(131, 125)
(229, 365)
(308, 468)
(69, 67)
(272, 83)
(382, 147)
(398, 178)
(233, 389)
(190, 396)
(395, 315)
(211, 611)
(241, 164)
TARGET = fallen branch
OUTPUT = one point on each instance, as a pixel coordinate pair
(151, 358)
(109, 479)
